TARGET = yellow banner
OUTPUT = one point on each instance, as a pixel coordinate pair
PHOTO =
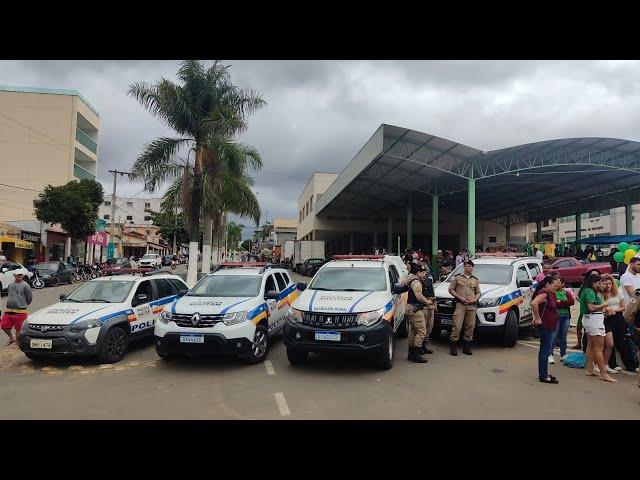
(17, 242)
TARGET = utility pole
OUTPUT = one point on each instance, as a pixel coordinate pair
(175, 227)
(113, 208)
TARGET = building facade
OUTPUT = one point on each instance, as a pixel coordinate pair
(283, 229)
(129, 211)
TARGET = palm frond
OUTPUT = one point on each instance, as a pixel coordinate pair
(156, 163)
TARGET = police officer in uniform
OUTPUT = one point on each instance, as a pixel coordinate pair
(465, 288)
(416, 302)
(428, 311)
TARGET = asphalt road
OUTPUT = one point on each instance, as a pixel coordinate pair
(494, 383)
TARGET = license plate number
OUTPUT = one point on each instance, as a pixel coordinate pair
(191, 338)
(41, 343)
(448, 320)
(331, 336)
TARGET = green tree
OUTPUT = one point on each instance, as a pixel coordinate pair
(73, 205)
(265, 231)
(234, 234)
(170, 224)
(205, 106)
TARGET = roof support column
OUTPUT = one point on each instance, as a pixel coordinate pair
(507, 231)
(471, 216)
(628, 216)
(409, 222)
(578, 228)
(351, 239)
(538, 230)
(390, 234)
(434, 235)
(375, 239)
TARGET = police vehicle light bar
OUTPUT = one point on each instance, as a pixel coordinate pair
(242, 264)
(356, 257)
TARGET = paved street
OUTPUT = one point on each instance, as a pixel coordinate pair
(494, 383)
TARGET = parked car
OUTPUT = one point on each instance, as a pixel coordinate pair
(6, 273)
(311, 266)
(118, 263)
(573, 269)
(53, 272)
(152, 260)
(167, 259)
(100, 317)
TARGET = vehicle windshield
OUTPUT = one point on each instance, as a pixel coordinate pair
(227, 286)
(487, 273)
(351, 279)
(149, 257)
(103, 291)
(47, 266)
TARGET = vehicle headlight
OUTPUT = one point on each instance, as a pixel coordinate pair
(369, 318)
(293, 315)
(233, 318)
(85, 325)
(489, 302)
(165, 316)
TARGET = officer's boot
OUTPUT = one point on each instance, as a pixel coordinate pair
(466, 348)
(415, 355)
(425, 347)
(453, 348)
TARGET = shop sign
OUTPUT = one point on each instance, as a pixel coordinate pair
(30, 236)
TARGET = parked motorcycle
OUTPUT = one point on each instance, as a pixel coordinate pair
(36, 281)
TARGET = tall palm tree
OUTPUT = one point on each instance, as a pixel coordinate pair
(234, 234)
(202, 107)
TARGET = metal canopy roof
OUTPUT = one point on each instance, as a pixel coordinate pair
(518, 184)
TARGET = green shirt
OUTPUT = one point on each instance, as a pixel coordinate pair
(588, 296)
(561, 296)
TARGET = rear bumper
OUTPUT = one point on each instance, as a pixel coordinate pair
(375, 338)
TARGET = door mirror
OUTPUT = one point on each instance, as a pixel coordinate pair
(398, 288)
(141, 298)
(301, 286)
(63, 296)
(182, 293)
(271, 295)
(524, 283)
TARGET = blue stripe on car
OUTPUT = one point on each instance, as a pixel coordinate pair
(388, 306)
(257, 311)
(225, 310)
(93, 311)
(315, 292)
(358, 301)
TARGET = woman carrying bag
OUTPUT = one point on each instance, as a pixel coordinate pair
(545, 315)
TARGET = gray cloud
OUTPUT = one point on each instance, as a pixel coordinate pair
(320, 113)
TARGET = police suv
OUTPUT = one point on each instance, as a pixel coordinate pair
(100, 317)
(350, 305)
(235, 310)
(506, 285)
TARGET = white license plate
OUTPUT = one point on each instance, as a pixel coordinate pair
(446, 320)
(41, 343)
(192, 338)
(332, 336)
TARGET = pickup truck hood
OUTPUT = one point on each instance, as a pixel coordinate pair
(487, 290)
(64, 313)
(212, 305)
(340, 301)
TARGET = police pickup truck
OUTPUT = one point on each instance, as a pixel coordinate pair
(235, 310)
(100, 317)
(506, 285)
(349, 306)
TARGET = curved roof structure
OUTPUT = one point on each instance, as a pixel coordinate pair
(519, 184)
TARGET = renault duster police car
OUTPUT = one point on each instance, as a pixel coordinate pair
(506, 285)
(350, 305)
(100, 317)
(235, 310)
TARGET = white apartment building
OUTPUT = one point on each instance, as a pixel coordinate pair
(129, 211)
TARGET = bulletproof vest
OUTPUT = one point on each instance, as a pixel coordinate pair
(427, 287)
(412, 296)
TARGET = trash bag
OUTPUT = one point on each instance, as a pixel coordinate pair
(575, 360)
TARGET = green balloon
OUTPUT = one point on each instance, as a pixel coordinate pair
(618, 257)
(623, 246)
(635, 248)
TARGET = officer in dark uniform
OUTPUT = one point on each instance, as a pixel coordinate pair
(429, 310)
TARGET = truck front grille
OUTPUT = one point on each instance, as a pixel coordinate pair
(206, 321)
(329, 320)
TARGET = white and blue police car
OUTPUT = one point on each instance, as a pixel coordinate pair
(236, 311)
(353, 304)
(100, 317)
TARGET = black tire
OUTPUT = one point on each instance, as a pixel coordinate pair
(510, 332)
(403, 329)
(38, 284)
(297, 357)
(260, 346)
(54, 282)
(165, 356)
(114, 346)
(383, 359)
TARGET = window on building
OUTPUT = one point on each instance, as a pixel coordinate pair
(311, 204)
(147, 217)
(129, 204)
(147, 205)
(107, 217)
(107, 204)
(129, 217)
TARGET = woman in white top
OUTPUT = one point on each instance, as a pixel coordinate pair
(614, 322)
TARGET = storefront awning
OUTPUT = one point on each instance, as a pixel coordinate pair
(17, 242)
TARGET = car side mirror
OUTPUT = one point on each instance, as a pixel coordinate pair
(301, 286)
(271, 295)
(63, 296)
(182, 293)
(524, 283)
(398, 288)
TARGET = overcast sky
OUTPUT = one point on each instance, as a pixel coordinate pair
(320, 113)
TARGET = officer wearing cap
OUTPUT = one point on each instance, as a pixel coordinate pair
(465, 288)
(416, 302)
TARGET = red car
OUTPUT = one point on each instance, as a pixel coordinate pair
(573, 269)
